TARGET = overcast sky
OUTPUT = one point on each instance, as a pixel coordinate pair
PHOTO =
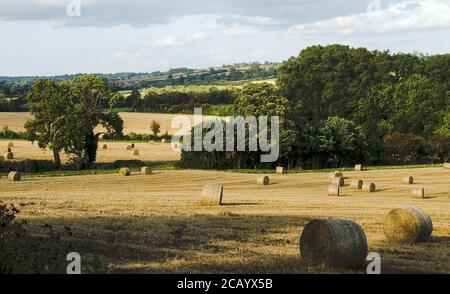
(40, 37)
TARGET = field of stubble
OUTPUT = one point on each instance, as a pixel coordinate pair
(154, 224)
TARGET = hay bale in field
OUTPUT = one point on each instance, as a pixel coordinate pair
(333, 243)
(419, 192)
(408, 180)
(125, 171)
(279, 170)
(358, 167)
(105, 146)
(9, 155)
(212, 194)
(446, 165)
(8, 149)
(338, 181)
(263, 180)
(132, 145)
(335, 174)
(356, 184)
(333, 190)
(163, 141)
(136, 152)
(146, 170)
(10, 144)
(407, 225)
(369, 187)
(14, 176)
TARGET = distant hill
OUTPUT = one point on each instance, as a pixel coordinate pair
(18, 86)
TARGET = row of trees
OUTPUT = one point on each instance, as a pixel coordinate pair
(340, 105)
(65, 115)
(181, 101)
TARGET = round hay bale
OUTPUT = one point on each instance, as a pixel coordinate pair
(264, 180)
(335, 174)
(145, 170)
(10, 144)
(136, 152)
(212, 194)
(338, 181)
(407, 225)
(105, 146)
(132, 145)
(14, 176)
(408, 180)
(358, 167)
(333, 243)
(356, 184)
(8, 149)
(9, 155)
(419, 192)
(125, 171)
(369, 187)
(333, 190)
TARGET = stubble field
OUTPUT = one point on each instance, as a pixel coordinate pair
(154, 223)
(135, 122)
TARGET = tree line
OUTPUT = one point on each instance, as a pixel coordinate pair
(340, 105)
(180, 99)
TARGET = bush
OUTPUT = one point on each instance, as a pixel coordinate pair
(24, 253)
(6, 133)
(27, 166)
(403, 148)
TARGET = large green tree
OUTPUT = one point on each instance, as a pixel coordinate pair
(66, 114)
(90, 95)
(330, 80)
(50, 106)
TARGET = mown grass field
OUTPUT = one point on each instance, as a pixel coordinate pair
(154, 224)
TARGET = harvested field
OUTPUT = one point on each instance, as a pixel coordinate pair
(116, 151)
(135, 122)
(154, 223)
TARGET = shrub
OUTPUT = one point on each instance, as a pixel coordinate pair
(24, 253)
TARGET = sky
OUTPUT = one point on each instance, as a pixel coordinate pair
(50, 37)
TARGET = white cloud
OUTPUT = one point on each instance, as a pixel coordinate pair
(408, 15)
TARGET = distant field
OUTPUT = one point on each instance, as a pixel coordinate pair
(156, 152)
(133, 121)
(154, 224)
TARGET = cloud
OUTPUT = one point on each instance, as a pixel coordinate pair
(143, 13)
(178, 41)
(404, 16)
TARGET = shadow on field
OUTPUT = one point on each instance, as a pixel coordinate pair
(220, 242)
(227, 243)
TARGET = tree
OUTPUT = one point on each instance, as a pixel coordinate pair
(341, 141)
(155, 127)
(416, 106)
(264, 99)
(330, 80)
(89, 95)
(131, 99)
(66, 114)
(50, 105)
